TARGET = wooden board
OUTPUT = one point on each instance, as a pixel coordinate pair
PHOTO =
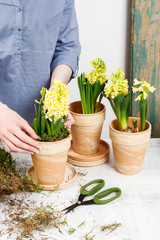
(145, 55)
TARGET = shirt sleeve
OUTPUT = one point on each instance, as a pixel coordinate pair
(68, 48)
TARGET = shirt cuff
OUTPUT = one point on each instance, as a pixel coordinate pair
(67, 59)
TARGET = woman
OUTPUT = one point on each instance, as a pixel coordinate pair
(39, 42)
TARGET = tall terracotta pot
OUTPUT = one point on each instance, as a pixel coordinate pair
(86, 130)
(50, 162)
(129, 148)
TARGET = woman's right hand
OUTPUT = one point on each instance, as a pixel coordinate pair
(15, 132)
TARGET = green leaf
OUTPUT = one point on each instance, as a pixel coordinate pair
(65, 118)
(52, 127)
(35, 109)
(88, 97)
(84, 93)
(48, 128)
(58, 124)
(146, 108)
(51, 123)
(118, 105)
(43, 125)
(96, 91)
(91, 102)
(112, 104)
(125, 109)
(134, 124)
(89, 94)
(35, 125)
(81, 85)
(39, 118)
(99, 102)
(143, 112)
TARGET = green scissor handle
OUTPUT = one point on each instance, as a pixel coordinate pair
(105, 194)
(94, 189)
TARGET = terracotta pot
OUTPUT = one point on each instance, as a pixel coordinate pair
(50, 162)
(86, 130)
(129, 148)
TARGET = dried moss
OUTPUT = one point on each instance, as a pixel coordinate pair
(81, 224)
(59, 135)
(7, 162)
(110, 227)
(44, 217)
(10, 179)
(82, 174)
(89, 238)
(23, 218)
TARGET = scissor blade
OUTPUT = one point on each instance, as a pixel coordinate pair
(70, 208)
(67, 208)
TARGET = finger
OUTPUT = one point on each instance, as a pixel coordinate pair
(5, 146)
(12, 148)
(26, 127)
(26, 139)
(20, 144)
(72, 121)
(69, 122)
(70, 117)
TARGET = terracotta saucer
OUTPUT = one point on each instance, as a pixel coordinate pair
(96, 159)
(70, 177)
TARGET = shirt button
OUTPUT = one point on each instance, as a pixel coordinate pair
(18, 48)
(19, 9)
(19, 29)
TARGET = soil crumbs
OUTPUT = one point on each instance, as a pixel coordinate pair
(22, 217)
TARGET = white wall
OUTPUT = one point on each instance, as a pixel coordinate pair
(104, 32)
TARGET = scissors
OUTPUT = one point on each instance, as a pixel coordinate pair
(97, 198)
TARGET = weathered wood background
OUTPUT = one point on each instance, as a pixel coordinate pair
(145, 55)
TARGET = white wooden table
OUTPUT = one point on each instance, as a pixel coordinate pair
(138, 209)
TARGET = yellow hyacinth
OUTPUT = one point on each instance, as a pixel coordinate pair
(108, 90)
(56, 101)
(99, 65)
(120, 85)
(120, 75)
(143, 89)
(98, 72)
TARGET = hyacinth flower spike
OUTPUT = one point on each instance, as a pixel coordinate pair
(91, 86)
(143, 89)
(119, 97)
(52, 111)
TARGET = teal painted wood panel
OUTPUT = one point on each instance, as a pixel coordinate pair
(145, 55)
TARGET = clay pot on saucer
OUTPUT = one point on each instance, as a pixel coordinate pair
(50, 162)
(129, 148)
(86, 130)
